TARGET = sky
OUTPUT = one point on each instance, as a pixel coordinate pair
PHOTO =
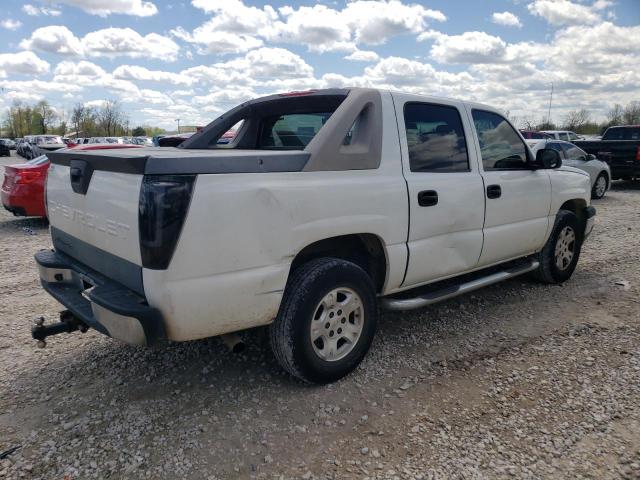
(195, 59)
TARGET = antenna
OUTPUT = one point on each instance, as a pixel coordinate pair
(550, 100)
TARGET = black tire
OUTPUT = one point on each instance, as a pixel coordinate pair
(595, 195)
(290, 333)
(549, 271)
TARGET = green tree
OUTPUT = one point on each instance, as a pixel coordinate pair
(138, 132)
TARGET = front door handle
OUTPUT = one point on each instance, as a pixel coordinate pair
(428, 198)
(494, 191)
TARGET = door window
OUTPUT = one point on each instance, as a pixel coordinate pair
(435, 138)
(500, 145)
(563, 136)
(573, 152)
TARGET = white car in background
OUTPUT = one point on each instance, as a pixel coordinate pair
(576, 157)
(566, 135)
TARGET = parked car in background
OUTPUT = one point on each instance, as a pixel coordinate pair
(23, 187)
(144, 141)
(534, 135)
(620, 148)
(325, 205)
(9, 143)
(24, 184)
(566, 135)
(174, 140)
(5, 151)
(574, 156)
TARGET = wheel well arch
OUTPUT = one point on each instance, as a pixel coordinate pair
(364, 249)
(577, 206)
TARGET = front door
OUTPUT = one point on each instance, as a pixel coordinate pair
(518, 199)
(446, 199)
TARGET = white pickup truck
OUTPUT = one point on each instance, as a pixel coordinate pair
(325, 205)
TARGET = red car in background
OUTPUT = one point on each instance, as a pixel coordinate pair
(23, 185)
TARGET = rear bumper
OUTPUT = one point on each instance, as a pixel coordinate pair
(630, 169)
(590, 219)
(99, 302)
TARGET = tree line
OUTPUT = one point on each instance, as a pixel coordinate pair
(104, 120)
(581, 121)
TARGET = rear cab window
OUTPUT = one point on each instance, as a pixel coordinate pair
(290, 131)
(282, 122)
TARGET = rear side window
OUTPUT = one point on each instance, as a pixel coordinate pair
(291, 131)
(500, 145)
(622, 134)
(555, 146)
(435, 138)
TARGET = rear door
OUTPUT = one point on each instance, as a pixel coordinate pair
(518, 199)
(446, 200)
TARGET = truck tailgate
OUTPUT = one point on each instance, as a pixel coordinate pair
(96, 206)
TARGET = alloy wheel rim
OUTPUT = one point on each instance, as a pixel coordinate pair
(565, 248)
(337, 324)
(601, 186)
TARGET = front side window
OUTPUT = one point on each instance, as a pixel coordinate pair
(563, 136)
(573, 152)
(500, 146)
(435, 138)
(573, 136)
(291, 131)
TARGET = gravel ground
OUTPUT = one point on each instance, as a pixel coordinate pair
(517, 380)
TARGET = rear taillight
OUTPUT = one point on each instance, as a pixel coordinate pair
(164, 202)
(638, 154)
(27, 176)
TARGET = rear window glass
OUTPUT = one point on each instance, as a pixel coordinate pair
(291, 131)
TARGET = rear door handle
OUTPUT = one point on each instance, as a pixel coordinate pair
(494, 191)
(427, 198)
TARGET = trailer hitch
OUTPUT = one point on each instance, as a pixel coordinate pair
(68, 323)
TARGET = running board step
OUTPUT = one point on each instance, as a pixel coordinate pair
(455, 290)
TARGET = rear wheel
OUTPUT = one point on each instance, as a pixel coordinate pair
(326, 321)
(559, 257)
(600, 186)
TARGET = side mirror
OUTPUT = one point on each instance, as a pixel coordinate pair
(591, 156)
(547, 158)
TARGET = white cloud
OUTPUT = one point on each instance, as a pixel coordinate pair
(111, 42)
(10, 24)
(108, 42)
(39, 86)
(135, 72)
(470, 47)
(214, 41)
(82, 68)
(53, 39)
(363, 56)
(139, 8)
(236, 27)
(562, 12)
(36, 11)
(22, 63)
(507, 19)
(374, 22)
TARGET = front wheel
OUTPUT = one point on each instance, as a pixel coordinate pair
(599, 187)
(327, 320)
(559, 256)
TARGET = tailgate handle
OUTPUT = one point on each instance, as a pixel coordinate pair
(80, 172)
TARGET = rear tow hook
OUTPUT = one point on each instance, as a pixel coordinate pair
(68, 323)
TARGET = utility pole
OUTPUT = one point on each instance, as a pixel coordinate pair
(178, 120)
(550, 100)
